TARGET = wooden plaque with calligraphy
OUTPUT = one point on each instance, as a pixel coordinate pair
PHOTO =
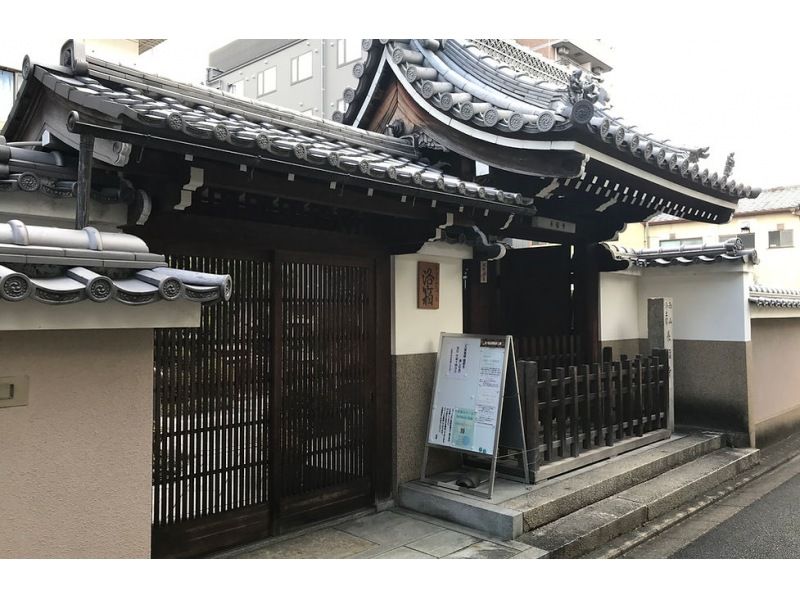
(427, 285)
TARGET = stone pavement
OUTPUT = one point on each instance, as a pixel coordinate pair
(392, 534)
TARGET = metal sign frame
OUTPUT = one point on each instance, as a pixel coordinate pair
(502, 404)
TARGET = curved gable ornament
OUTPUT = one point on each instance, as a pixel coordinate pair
(73, 56)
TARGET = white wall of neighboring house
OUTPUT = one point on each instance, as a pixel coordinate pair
(633, 236)
(779, 266)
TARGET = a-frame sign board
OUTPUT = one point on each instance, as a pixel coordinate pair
(476, 407)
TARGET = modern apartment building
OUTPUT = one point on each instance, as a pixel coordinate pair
(591, 55)
(307, 75)
(310, 75)
(10, 80)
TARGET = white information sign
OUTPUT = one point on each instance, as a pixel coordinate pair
(470, 377)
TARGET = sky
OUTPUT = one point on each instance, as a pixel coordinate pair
(719, 79)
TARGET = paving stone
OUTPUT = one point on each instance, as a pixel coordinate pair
(403, 552)
(531, 553)
(390, 528)
(443, 543)
(326, 543)
(484, 550)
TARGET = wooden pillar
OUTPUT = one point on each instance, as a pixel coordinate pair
(659, 333)
(481, 305)
(586, 299)
(85, 159)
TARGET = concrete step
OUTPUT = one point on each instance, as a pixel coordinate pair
(557, 498)
(517, 508)
(592, 526)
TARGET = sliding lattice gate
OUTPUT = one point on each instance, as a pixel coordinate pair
(264, 415)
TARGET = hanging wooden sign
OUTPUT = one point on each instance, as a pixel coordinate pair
(427, 285)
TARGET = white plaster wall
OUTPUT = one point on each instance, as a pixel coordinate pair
(709, 300)
(75, 463)
(42, 210)
(34, 315)
(417, 330)
(619, 306)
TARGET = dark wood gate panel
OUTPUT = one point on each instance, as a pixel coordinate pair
(211, 418)
(326, 383)
(240, 453)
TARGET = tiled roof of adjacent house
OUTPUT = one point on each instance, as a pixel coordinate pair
(214, 118)
(764, 296)
(496, 86)
(730, 250)
(56, 265)
(776, 199)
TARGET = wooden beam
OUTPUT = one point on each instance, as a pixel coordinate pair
(180, 232)
(271, 184)
(85, 160)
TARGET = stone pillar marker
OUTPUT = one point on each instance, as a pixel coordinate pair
(659, 333)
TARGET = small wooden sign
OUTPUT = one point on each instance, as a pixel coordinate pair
(427, 285)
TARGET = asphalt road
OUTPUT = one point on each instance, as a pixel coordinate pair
(769, 528)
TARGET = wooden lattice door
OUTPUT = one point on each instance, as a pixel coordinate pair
(264, 416)
(211, 418)
(325, 385)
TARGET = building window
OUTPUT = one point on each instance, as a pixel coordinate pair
(236, 88)
(676, 243)
(8, 91)
(781, 238)
(748, 239)
(348, 50)
(267, 81)
(302, 67)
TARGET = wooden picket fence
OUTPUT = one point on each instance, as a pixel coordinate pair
(570, 410)
(550, 352)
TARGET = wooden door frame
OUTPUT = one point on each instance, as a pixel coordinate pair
(221, 237)
(381, 431)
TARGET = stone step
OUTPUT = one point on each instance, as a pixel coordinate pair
(592, 526)
(557, 498)
(517, 508)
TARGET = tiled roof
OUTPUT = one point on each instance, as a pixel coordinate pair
(763, 296)
(500, 86)
(730, 250)
(770, 200)
(214, 118)
(56, 265)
